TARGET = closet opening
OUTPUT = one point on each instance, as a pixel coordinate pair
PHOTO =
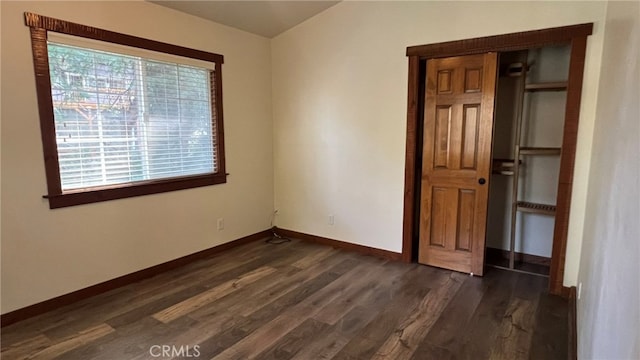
(527, 143)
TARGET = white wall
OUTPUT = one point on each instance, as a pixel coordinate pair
(609, 306)
(339, 105)
(46, 253)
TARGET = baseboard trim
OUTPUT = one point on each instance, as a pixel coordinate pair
(573, 322)
(72, 297)
(340, 244)
(520, 257)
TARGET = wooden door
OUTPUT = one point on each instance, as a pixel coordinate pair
(458, 127)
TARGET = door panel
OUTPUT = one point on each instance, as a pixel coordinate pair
(438, 213)
(470, 122)
(466, 204)
(443, 126)
(458, 126)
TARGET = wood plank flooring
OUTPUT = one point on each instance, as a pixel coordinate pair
(303, 301)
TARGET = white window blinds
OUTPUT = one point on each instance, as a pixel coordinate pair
(124, 119)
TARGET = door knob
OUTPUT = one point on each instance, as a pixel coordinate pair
(482, 181)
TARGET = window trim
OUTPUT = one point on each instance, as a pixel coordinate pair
(39, 27)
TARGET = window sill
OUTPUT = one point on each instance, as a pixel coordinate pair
(93, 195)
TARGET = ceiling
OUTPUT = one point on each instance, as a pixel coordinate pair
(265, 18)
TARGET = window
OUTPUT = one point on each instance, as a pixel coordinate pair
(151, 121)
(124, 116)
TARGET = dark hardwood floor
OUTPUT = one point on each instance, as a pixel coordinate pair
(303, 301)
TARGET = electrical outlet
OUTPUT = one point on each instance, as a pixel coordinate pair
(579, 290)
(220, 224)
(331, 219)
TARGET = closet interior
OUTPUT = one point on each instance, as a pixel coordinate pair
(528, 134)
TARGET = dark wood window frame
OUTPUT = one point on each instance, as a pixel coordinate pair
(576, 36)
(39, 26)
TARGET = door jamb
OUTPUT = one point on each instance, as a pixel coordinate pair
(576, 35)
